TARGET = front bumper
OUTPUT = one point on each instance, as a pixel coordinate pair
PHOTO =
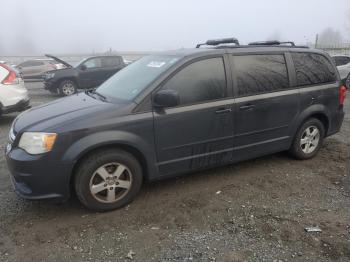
(51, 84)
(37, 177)
(18, 107)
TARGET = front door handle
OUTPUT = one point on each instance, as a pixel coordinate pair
(247, 107)
(223, 111)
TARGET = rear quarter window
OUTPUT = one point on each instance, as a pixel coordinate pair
(312, 69)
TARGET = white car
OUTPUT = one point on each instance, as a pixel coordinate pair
(343, 64)
(13, 94)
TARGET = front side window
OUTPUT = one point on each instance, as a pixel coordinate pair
(257, 74)
(313, 69)
(200, 81)
(93, 63)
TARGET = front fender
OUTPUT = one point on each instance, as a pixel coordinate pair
(107, 138)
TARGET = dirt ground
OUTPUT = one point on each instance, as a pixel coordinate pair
(253, 211)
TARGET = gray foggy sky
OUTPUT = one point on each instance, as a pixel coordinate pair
(67, 26)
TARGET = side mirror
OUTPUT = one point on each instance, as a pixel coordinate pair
(166, 98)
(83, 67)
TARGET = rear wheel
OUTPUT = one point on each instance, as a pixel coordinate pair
(67, 88)
(108, 179)
(308, 139)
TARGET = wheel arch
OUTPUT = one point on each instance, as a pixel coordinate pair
(317, 111)
(130, 149)
(130, 143)
(71, 78)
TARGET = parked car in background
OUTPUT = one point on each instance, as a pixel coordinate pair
(13, 94)
(36, 68)
(173, 113)
(89, 73)
(9, 64)
(343, 64)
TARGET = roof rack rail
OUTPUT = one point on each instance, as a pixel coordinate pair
(272, 42)
(215, 42)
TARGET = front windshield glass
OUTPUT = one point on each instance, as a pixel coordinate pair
(133, 79)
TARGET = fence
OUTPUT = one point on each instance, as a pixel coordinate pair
(338, 49)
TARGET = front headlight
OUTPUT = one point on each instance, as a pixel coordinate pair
(37, 143)
(50, 75)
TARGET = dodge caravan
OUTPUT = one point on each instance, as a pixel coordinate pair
(173, 113)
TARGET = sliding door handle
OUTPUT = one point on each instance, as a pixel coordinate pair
(223, 111)
(247, 107)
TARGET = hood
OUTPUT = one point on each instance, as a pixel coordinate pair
(70, 71)
(59, 60)
(72, 109)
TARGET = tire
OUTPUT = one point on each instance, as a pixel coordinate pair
(305, 144)
(67, 88)
(106, 173)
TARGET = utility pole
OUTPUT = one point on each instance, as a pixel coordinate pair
(316, 41)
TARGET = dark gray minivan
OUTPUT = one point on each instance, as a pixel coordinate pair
(173, 113)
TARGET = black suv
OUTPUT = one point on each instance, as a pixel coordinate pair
(173, 113)
(89, 73)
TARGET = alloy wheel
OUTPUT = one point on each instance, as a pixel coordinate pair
(110, 182)
(310, 139)
(68, 89)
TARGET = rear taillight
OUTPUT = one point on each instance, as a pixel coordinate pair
(11, 78)
(342, 94)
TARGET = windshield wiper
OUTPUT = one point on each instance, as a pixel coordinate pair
(93, 91)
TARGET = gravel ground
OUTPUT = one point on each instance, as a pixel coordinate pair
(253, 211)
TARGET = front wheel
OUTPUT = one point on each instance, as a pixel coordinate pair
(308, 139)
(108, 179)
(67, 88)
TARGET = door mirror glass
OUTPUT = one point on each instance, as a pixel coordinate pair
(83, 67)
(166, 98)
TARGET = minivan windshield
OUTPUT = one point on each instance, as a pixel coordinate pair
(133, 79)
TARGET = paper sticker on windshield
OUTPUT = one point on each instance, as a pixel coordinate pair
(156, 64)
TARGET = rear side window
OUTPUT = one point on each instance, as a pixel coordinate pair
(111, 61)
(200, 81)
(258, 74)
(312, 69)
(31, 63)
